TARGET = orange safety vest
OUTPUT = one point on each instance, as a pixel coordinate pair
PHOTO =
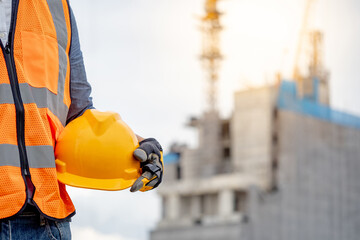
(34, 102)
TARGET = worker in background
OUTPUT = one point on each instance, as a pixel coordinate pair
(43, 87)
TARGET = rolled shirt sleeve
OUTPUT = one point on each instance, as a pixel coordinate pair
(80, 88)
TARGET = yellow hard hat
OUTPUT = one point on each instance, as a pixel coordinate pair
(96, 151)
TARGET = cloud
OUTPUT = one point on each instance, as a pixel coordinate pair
(117, 213)
(79, 233)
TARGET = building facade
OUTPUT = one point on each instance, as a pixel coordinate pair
(283, 166)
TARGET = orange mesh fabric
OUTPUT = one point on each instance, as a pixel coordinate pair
(68, 23)
(41, 60)
(12, 191)
(37, 128)
(50, 195)
(55, 125)
(67, 99)
(4, 77)
(8, 124)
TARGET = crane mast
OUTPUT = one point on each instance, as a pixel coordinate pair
(302, 38)
(211, 54)
(313, 84)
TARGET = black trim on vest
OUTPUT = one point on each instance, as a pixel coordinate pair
(71, 37)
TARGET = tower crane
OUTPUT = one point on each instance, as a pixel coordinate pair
(313, 39)
(211, 54)
(302, 38)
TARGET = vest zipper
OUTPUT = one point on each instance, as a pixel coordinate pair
(15, 89)
(19, 106)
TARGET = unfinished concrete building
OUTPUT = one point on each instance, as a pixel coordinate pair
(284, 166)
(315, 169)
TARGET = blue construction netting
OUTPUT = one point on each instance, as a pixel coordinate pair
(309, 105)
(171, 158)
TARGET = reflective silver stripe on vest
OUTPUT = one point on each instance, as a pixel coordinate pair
(43, 98)
(9, 155)
(40, 156)
(5, 94)
(57, 13)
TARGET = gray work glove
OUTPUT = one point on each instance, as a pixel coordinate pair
(149, 153)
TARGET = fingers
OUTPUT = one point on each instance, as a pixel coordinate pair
(141, 182)
(138, 184)
(152, 183)
(145, 182)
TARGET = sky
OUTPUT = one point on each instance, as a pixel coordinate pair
(142, 60)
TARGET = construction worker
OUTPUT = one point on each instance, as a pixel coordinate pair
(43, 87)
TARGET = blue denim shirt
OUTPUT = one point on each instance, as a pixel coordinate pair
(80, 88)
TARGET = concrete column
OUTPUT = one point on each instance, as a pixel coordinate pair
(195, 207)
(226, 202)
(209, 144)
(173, 208)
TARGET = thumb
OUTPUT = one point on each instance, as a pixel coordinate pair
(140, 155)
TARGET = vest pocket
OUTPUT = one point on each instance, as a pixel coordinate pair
(40, 60)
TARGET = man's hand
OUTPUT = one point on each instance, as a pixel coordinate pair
(150, 156)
